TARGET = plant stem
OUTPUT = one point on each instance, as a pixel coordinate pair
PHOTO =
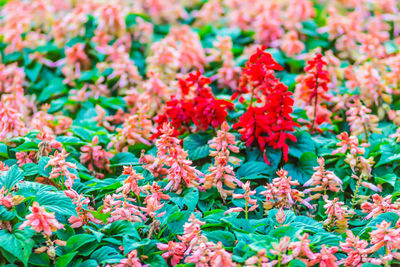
(245, 211)
(315, 103)
(353, 201)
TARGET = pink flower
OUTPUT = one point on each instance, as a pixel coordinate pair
(291, 45)
(222, 173)
(248, 200)
(385, 236)
(7, 200)
(258, 260)
(11, 124)
(338, 214)
(136, 128)
(323, 180)
(131, 183)
(131, 261)
(355, 250)
(379, 205)
(180, 172)
(95, 156)
(175, 251)
(220, 257)
(280, 194)
(82, 208)
(24, 157)
(61, 168)
(191, 233)
(360, 119)
(41, 220)
(122, 209)
(348, 143)
(326, 257)
(301, 249)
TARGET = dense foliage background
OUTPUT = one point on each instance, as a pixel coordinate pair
(199, 133)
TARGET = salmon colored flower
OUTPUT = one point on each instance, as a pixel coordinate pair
(131, 261)
(291, 44)
(61, 168)
(280, 194)
(175, 251)
(385, 236)
(258, 260)
(338, 215)
(355, 249)
(222, 173)
(379, 205)
(41, 220)
(131, 183)
(25, 157)
(326, 257)
(323, 180)
(170, 153)
(192, 234)
(250, 203)
(348, 143)
(95, 156)
(361, 120)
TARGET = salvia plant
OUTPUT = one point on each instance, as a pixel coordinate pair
(219, 133)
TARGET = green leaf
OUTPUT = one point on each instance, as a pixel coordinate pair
(3, 150)
(297, 263)
(303, 144)
(13, 176)
(303, 169)
(227, 238)
(124, 159)
(106, 254)
(197, 145)
(33, 73)
(64, 260)
(57, 202)
(55, 88)
(42, 170)
(39, 259)
(18, 243)
(75, 242)
(176, 221)
(70, 140)
(27, 146)
(253, 170)
(390, 153)
(30, 169)
(389, 178)
(189, 197)
(5, 214)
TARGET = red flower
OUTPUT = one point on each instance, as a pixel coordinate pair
(317, 78)
(197, 105)
(258, 75)
(271, 123)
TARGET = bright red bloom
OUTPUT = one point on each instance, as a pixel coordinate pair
(271, 123)
(258, 75)
(317, 78)
(197, 105)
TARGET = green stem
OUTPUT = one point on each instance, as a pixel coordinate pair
(353, 201)
(245, 211)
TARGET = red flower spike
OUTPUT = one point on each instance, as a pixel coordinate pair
(197, 105)
(271, 123)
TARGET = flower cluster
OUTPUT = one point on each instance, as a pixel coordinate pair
(270, 124)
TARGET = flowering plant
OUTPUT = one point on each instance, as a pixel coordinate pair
(249, 133)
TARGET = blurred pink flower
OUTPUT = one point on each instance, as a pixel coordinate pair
(175, 251)
(41, 220)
